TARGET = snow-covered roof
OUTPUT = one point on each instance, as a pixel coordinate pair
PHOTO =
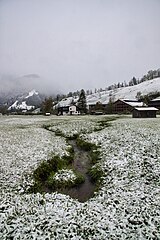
(66, 102)
(146, 109)
(135, 104)
(156, 99)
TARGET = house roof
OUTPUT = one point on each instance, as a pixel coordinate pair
(132, 103)
(135, 104)
(146, 109)
(66, 102)
(156, 99)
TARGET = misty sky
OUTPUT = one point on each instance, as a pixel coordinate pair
(74, 44)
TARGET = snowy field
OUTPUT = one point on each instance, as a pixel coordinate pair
(127, 206)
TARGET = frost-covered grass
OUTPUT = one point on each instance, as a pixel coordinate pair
(73, 126)
(128, 203)
(24, 144)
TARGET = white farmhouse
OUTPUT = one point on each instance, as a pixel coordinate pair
(73, 110)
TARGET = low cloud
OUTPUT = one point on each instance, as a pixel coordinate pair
(61, 46)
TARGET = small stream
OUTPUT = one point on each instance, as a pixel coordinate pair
(82, 164)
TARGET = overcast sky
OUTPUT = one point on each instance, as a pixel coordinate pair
(74, 44)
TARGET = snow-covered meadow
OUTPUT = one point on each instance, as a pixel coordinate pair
(127, 206)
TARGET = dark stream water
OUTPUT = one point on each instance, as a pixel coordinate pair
(81, 163)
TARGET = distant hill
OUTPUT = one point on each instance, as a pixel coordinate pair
(129, 92)
(149, 84)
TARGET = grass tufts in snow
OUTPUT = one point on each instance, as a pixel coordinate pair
(58, 133)
(43, 171)
(69, 158)
(86, 146)
(106, 122)
(96, 174)
(94, 154)
(46, 126)
(56, 174)
(72, 137)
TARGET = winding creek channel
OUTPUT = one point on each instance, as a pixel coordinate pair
(81, 163)
(83, 160)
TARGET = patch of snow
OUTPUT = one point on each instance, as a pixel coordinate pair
(31, 93)
(22, 106)
(65, 175)
(14, 105)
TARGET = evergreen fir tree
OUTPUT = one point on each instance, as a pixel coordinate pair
(82, 102)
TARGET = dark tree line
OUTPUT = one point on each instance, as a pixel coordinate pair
(134, 81)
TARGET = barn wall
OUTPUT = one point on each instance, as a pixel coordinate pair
(143, 114)
(121, 107)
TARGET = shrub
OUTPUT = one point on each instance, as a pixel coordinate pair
(69, 158)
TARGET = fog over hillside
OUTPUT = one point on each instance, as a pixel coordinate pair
(19, 85)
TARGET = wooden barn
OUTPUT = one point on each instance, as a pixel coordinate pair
(96, 108)
(144, 112)
(126, 106)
